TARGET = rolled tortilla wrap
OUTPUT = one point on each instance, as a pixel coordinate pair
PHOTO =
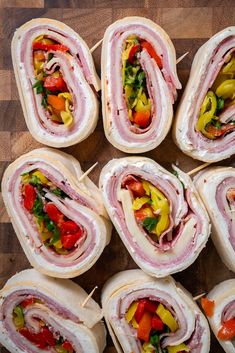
(32, 304)
(216, 186)
(128, 287)
(76, 68)
(209, 61)
(165, 235)
(68, 246)
(161, 84)
(223, 296)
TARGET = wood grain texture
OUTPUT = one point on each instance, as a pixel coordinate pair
(189, 23)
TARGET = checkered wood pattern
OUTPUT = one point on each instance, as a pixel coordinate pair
(189, 23)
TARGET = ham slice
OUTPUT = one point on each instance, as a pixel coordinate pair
(189, 227)
(224, 297)
(83, 205)
(60, 308)
(161, 85)
(128, 286)
(78, 71)
(206, 65)
(215, 186)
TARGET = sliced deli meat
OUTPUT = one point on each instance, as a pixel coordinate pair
(216, 187)
(222, 317)
(57, 82)
(159, 216)
(205, 120)
(61, 222)
(139, 83)
(42, 314)
(149, 315)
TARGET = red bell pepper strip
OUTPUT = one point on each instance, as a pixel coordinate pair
(55, 47)
(144, 328)
(132, 53)
(141, 118)
(144, 305)
(140, 310)
(29, 196)
(66, 345)
(208, 306)
(53, 213)
(27, 302)
(68, 227)
(152, 53)
(48, 337)
(35, 338)
(227, 330)
(69, 240)
(55, 84)
(157, 323)
(150, 306)
(136, 187)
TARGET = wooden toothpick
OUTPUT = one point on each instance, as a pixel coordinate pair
(199, 296)
(87, 172)
(89, 296)
(96, 45)
(200, 167)
(181, 57)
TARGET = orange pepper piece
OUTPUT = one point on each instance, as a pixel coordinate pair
(208, 306)
(145, 326)
(56, 102)
(227, 330)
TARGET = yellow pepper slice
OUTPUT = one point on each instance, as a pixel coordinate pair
(159, 201)
(134, 323)
(66, 95)
(139, 202)
(146, 187)
(180, 347)
(226, 89)
(38, 65)
(38, 39)
(220, 79)
(45, 235)
(131, 312)
(141, 107)
(167, 318)
(47, 41)
(162, 224)
(18, 317)
(229, 67)
(40, 176)
(25, 178)
(148, 348)
(207, 112)
(67, 118)
(58, 244)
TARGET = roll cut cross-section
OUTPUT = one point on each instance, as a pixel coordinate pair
(216, 186)
(205, 125)
(57, 82)
(61, 223)
(222, 316)
(41, 314)
(139, 83)
(159, 216)
(149, 315)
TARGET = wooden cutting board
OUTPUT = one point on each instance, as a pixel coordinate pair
(189, 24)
